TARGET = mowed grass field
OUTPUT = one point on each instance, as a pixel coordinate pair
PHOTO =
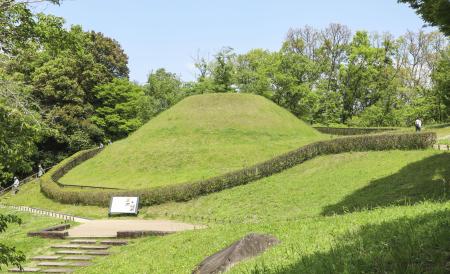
(401, 239)
(348, 213)
(326, 185)
(374, 212)
(200, 137)
(30, 195)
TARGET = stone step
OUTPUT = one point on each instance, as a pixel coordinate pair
(25, 269)
(97, 253)
(58, 270)
(78, 258)
(53, 264)
(70, 252)
(114, 242)
(83, 241)
(46, 258)
(68, 246)
(94, 247)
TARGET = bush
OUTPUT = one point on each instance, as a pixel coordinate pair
(187, 191)
(352, 130)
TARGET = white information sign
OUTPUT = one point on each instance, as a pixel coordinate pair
(124, 205)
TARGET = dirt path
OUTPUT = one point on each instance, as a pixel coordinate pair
(109, 228)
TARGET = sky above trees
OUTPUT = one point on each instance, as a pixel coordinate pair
(171, 34)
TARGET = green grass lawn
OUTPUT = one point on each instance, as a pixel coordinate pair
(31, 195)
(400, 239)
(327, 185)
(370, 212)
(442, 132)
(200, 137)
(16, 235)
(347, 213)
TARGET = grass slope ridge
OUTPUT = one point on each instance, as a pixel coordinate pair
(187, 191)
(202, 136)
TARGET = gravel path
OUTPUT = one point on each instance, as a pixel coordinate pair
(109, 228)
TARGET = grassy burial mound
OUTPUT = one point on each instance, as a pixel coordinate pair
(200, 137)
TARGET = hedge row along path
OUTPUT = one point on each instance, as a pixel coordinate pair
(190, 190)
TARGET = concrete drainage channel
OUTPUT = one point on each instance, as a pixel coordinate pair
(70, 256)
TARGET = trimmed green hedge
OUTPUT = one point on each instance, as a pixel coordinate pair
(352, 130)
(190, 190)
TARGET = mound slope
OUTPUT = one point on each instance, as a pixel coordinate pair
(200, 137)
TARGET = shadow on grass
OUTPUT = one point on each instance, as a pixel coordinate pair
(406, 245)
(428, 179)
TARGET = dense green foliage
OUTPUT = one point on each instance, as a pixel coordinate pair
(9, 255)
(436, 12)
(352, 130)
(331, 76)
(66, 90)
(119, 108)
(20, 126)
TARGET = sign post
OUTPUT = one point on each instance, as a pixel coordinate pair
(124, 205)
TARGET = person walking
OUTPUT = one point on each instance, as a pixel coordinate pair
(418, 124)
(15, 186)
(41, 171)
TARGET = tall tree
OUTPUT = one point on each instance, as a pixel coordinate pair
(436, 12)
(164, 88)
(441, 89)
(222, 71)
(20, 127)
(253, 71)
(9, 255)
(357, 77)
(118, 112)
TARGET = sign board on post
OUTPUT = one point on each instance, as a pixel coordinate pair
(124, 205)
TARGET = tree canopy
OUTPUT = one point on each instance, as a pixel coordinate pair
(436, 12)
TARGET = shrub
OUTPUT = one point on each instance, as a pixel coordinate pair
(352, 130)
(187, 191)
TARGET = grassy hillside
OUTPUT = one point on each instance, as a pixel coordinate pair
(402, 239)
(200, 137)
(327, 185)
(397, 216)
(31, 195)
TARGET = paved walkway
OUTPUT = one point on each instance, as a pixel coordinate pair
(109, 228)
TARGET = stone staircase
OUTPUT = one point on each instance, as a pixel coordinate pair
(71, 256)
